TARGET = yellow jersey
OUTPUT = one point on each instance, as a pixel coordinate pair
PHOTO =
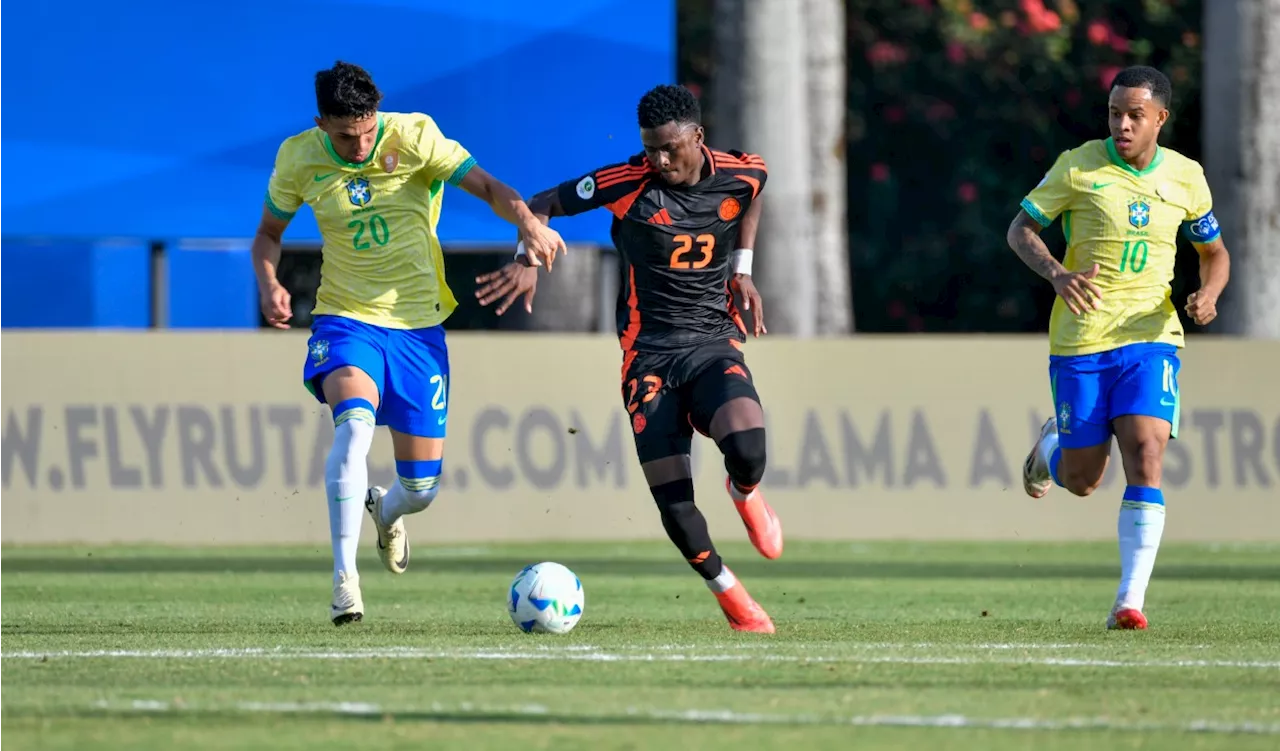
(1125, 220)
(382, 262)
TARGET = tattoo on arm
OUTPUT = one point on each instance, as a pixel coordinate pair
(1024, 238)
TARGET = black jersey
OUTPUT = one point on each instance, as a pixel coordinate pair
(675, 243)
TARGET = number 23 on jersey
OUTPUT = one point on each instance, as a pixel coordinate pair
(692, 252)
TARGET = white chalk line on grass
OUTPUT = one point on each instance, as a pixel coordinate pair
(439, 710)
(589, 654)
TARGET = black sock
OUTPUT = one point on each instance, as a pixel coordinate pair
(687, 527)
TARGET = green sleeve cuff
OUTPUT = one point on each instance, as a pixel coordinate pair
(1035, 213)
(278, 212)
(456, 178)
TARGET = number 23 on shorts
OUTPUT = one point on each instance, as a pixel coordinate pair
(642, 390)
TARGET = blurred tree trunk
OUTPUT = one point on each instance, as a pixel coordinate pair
(761, 107)
(828, 105)
(1242, 156)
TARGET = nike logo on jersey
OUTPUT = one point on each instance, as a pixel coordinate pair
(322, 178)
(1100, 186)
(1166, 403)
(662, 217)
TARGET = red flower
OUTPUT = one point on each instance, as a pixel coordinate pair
(1107, 74)
(884, 53)
(894, 114)
(1099, 32)
(879, 172)
(967, 192)
(979, 21)
(955, 53)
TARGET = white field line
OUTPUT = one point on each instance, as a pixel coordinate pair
(592, 654)
(438, 710)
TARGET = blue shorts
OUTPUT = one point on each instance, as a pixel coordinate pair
(1089, 391)
(409, 366)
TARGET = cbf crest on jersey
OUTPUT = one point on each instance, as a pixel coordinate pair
(1064, 418)
(1139, 213)
(358, 191)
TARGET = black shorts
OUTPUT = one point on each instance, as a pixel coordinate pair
(671, 394)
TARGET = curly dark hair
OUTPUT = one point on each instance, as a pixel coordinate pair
(346, 91)
(668, 104)
(1143, 77)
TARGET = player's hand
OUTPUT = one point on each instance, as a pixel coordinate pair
(1078, 291)
(277, 305)
(542, 243)
(751, 302)
(1202, 307)
(508, 282)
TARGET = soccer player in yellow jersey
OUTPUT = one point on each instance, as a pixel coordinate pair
(1114, 334)
(377, 354)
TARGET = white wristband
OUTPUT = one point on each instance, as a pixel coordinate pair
(742, 261)
(521, 250)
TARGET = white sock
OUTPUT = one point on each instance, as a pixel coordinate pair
(1046, 448)
(1140, 526)
(401, 501)
(724, 582)
(346, 481)
(416, 488)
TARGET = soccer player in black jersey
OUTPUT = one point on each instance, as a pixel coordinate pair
(685, 218)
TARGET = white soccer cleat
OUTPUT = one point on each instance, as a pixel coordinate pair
(393, 542)
(1035, 471)
(347, 605)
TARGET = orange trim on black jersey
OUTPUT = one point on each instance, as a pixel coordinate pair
(632, 331)
(709, 156)
(753, 182)
(628, 357)
(621, 206)
(617, 178)
(746, 161)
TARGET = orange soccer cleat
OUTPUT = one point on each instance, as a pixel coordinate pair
(743, 613)
(1127, 619)
(764, 529)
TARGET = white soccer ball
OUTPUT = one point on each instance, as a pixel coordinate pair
(546, 598)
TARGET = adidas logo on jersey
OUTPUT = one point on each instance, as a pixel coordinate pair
(662, 217)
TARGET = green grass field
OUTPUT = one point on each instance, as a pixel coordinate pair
(914, 646)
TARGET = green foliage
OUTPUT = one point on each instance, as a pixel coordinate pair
(956, 109)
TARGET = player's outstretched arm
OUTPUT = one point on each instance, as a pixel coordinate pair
(742, 257)
(273, 298)
(519, 278)
(540, 241)
(1076, 289)
(1215, 271)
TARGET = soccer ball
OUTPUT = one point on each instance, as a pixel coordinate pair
(545, 598)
